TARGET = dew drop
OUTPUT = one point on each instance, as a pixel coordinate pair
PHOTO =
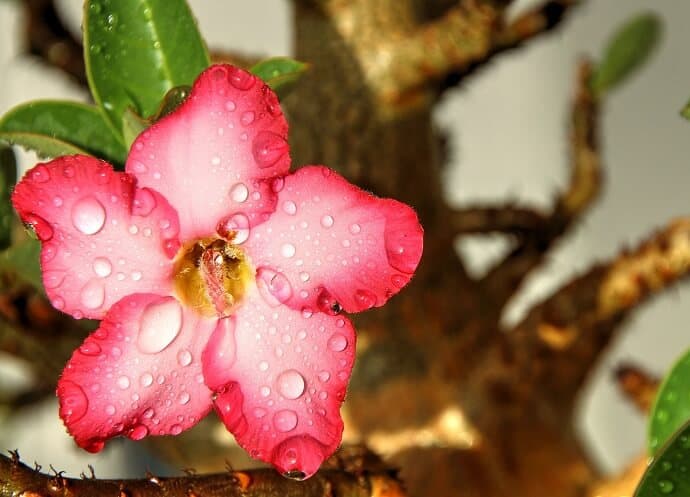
(278, 184)
(184, 398)
(93, 294)
(355, 228)
(73, 401)
(144, 202)
(102, 267)
(666, 486)
(110, 409)
(39, 174)
(234, 228)
(57, 201)
(265, 391)
(247, 118)
(146, 380)
(138, 432)
(324, 376)
(291, 384)
(90, 348)
(239, 192)
(175, 429)
(53, 279)
(259, 412)
(398, 280)
(123, 382)
(268, 148)
(263, 366)
(288, 250)
(285, 420)
(215, 160)
(337, 343)
(184, 358)
(327, 221)
(88, 215)
(298, 457)
(160, 324)
(327, 303)
(230, 106)
(242, 80)
(365, 299)
(289, 207)
(273, 286)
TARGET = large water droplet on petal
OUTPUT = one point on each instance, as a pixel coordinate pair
(327, 221)
(273, 286)
(144, 202)
(337, 343)
(268, 148)
(146, 380)
(239, 192)
(285, 420)
(123, 382)
(102, 267)
(327, 303)
(93, 294)
(228, 404)
(247, 118)
(39, 174)
(88, 215)
(288, 250)
(220, 354)
(184, 358)
(298, 457)
(73, 401)
(90, 348)
(234, 228)
(138, 432)
(403, 247)
(289, 207)
(53, 279)
(160, 324)
(365, 299)
(242, 80)
(291, 384)
(41, 227)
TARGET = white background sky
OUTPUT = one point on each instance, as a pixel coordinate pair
(508, 131)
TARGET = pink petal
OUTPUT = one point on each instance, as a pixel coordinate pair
(280, 377)
(212, 157)
(330, 245)
(102, 238)
(139, 374)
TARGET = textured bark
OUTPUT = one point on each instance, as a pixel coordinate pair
(463, 407)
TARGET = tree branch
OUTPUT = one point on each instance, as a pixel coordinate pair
(637, 385)
(17, 479)
(491, 219)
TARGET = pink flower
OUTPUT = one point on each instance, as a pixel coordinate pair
(218, 275)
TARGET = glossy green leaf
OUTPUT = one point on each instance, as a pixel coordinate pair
(626, 51)
(668, 474)
(280, 73)
(81, 125)
(132, 125)
(8, 177)
(44, 146)
(136, 50)
(22, 259)
(685, 111)
(671, 408)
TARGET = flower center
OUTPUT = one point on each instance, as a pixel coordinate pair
(211, 275)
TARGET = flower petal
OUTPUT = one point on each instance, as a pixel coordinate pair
(280, 392)
(103, 238)
(212, 157)
(330, 244)
(139, 374)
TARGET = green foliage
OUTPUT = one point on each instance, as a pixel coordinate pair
(78, 124)
(21, 259)
(8, 177)
(44, 146)
(669, 472)
(672, 406)
(280, 73)
(626, 51)
(137, 50)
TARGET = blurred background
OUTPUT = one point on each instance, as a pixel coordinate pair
(508, 138)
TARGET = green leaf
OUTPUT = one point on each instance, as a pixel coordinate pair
(626, 51)
(136, 50)
(669, 472)
(132, 125)
(8, 177)
(44, 146)
(280, 73)
(71, 122)
(22, 259)
(671, 408)
(685, 111)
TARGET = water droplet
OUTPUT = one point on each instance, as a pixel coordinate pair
(324, 376)
(307, 313)
(39, 174)
(337, 343)
(58, 303)
(138, 166)
(398, 280)
(136, 275)
(291, 384)
(242, 80)
(403, 247)
(160, 324)
(285, 420)
(102, 267)
(247, 118)
(365, 299)
(289, 207)
(327, 303)
(259, 412)
(230, 106)
(138, 432)
(263, 366)
(298, 457)
(88, 215)
(90, 348)
(278, 184)
(73, 401)
(327, 221)
(666, 486)
(268, 148)
(123, 382)
(355, 228)
(146, 380)
(288, 250)
(184, 358)
(144, 202)
(41, 227)
(57, 201)
(110, 409)
(215, 160)
(273, 286)
(68, 171)
(184, 398)
(265, 391)
(220, 353)
(175, 429)
(234, 228)
(53, 279)
(93, 294)
(239, 192)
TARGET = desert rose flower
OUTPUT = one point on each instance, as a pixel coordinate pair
(219, 277)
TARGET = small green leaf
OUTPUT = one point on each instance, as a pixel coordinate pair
(8, 177)
(626, 51)
(280, 73)
(132, 125)
(71, 122)
(671, 408)
(685, 111)
(669, 472)
(22, 259)
(136, 50)
(44, 146)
